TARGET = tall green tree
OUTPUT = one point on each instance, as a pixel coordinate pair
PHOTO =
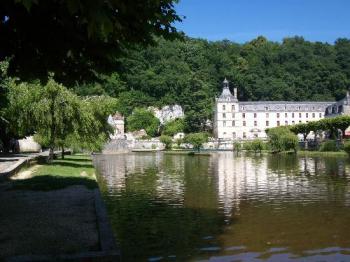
(72, 38)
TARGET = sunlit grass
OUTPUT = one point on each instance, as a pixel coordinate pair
(73, 170)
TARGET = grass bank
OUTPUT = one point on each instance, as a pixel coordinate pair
(73, 170)
(323, 154)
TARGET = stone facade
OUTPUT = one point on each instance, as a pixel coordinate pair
(235, 120)
(117, 122)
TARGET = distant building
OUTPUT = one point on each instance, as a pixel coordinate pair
(117, 122)
(234, 119)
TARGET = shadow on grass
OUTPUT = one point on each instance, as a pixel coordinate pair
(71, 164)
(75, 159)
(47, 183)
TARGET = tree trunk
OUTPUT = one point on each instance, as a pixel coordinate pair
(51, 152)
(62, 153)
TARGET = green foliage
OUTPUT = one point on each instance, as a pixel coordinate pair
(173, 127)
(237, 146)
(97, 32)
(257, 145)
(143, 119)
(58, 117)
(329, 146)
(166, 140)
(282, 139)
(346, 147)
(196, 139)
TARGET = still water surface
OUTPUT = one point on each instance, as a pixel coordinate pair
(227, 207)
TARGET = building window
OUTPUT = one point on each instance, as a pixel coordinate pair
(299, 115)
(293, 122)
(278, 115)
(299, 108)
(254, 115)
(223, 115)
(307, 115)
(224, 123)
(244, 124)
(243, 115)
(267, 115)
(233, 115)
(299, 121)
(256, 135)
(224, 133)
(285, 114)
(267, 123)
(313, 115)
(244, 135)
(234, 134)
(266, 108)
(292, 115)
(233, 123)
(224, 107)
(278, 123)
(233, 107)
(255, 123)
(320, 114)
(286, 123)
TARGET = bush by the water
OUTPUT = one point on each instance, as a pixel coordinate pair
(166, 140)
(347, 147)
(196, 139)
(237, 146)
(256, 145)
(329, 146)
(282, 139)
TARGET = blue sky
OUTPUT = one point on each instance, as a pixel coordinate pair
(243, 20)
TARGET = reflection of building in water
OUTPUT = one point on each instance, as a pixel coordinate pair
(272, 179)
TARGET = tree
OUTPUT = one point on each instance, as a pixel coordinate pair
(166, 140)
(282, 139)
(35, 33)
(173, 127)
(143, 119)
(196, 140)
(55, 115)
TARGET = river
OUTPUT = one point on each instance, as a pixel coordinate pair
(227, 207)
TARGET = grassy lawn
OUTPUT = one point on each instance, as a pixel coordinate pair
(73, 170)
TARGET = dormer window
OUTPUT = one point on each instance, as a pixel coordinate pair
(266, 108)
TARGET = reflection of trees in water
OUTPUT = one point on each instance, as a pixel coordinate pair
(149, 223)
(283, 163)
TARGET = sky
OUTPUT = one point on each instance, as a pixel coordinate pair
(243, 20)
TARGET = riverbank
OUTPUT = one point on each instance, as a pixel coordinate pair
(53, 211)
(323, 154)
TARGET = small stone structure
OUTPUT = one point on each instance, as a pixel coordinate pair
(117, 122)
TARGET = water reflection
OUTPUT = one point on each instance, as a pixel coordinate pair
(226, 207)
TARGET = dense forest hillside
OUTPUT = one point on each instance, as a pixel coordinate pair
(190, 73)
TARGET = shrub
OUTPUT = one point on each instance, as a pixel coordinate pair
(329, 145)
(143, 119)
(173, 127)
(196, 139)
(247, 145)
(282, 139)
(257, 145)
(237, 146)
(167, 141)
(347, 147)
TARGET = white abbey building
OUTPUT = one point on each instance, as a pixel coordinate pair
(247, 120)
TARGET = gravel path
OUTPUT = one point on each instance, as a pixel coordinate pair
(47, 223)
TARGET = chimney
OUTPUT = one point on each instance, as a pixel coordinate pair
(235, 92)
